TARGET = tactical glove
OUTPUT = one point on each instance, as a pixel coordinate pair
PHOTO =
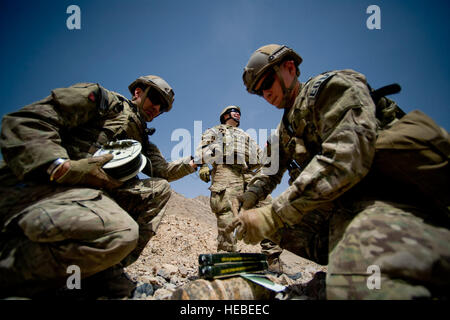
(204, 173)
(255, 225)
(248, 200)
(89, 172)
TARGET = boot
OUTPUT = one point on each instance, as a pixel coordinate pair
(316, 288)
(275, 265)
(114, 283)
(273, 252)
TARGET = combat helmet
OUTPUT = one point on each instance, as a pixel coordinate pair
(263, 59)
(157, 83)
(228, 110)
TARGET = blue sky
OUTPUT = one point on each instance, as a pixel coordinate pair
(201, 46)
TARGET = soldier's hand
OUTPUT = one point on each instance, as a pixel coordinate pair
(89, 172)
(193, 164)
(248, 200)
(204, 173)
(255, 225)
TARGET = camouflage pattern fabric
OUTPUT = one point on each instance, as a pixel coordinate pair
(225, 144)
(324, 130)
(411, 256)
(145, 201)
(222, 195)
(309, 238)
(330, 131)
(233, 288)
(71, 226)
(227, 184)
(46, 227)
(235, 157)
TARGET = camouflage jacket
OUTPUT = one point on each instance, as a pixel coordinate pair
(225, 144)
(233, 154)
(330, 131)
(73, 123)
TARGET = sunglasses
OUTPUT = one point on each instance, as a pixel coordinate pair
(156, 98)
(234, 110)
(267, 83)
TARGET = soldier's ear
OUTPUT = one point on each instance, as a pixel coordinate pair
(137, 92)
(289, 65)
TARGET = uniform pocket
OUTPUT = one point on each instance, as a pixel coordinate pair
(65, 215)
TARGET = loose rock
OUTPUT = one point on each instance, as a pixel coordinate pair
(188, 229)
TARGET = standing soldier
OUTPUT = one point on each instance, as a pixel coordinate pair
(235, 157)
(60, 208)
(371, 197)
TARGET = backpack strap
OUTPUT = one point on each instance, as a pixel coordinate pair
(384, 91)
(387, 111)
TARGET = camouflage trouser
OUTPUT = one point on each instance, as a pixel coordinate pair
(389, 252)
(220, 202)
(411, 257)
(227, 185)
(309, 238)
(76, 226)
(145, 200)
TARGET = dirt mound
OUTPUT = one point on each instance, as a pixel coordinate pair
(188, 229)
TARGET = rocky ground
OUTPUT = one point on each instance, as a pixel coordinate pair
(170, 260)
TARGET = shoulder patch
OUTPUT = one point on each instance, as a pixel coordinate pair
(317, 85)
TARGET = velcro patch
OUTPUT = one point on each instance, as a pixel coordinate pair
(315, 89)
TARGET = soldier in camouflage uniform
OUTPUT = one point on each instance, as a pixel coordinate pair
(369, 184)
(235, 157)
(58, 206)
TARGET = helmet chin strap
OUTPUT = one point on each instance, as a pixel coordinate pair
(287, 92)
(232, 118)
(237, 121)
(141, 103)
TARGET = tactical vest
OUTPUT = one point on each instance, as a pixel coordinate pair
(412, 155)
(236, 147)
(297, 137)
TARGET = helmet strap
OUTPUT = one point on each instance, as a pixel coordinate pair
(231, 117)
(287, 92)
(237, 121)
(141, 103)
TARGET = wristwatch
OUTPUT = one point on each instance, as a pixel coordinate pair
(55, 165)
